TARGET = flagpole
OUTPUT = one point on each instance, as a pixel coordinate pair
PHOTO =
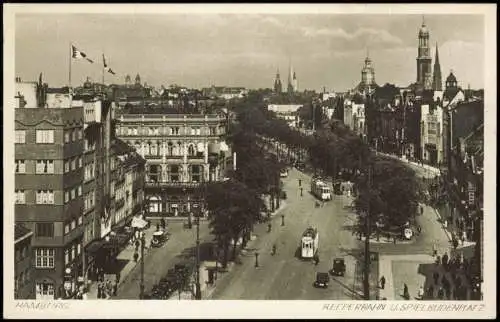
(103, 71)
(70, 61)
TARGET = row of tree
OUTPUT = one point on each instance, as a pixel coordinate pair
(237, 204)
(392, 194)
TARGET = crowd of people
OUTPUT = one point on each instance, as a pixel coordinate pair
(449, 280)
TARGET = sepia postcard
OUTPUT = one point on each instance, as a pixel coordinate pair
(325, 161)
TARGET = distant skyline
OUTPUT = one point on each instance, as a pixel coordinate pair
(200, 50)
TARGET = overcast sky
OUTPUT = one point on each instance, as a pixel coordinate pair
(198, 50)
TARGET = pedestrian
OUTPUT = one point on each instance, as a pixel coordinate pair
(436, 277)
(394, 240)
(117, 277)
(430, 292)
(419, 229)
(448, 293)
(406, 293)
(445, 260)
(301, 191)
(163, 223)
(157, 226)
(136, 257)
(440, 293)
(421, 210)
(438, 260)
(300, 182)
(99, 290)
(421, 293)
(455, 243)
(434, 250)
(382, 282)
(115, 287)
(463, 237)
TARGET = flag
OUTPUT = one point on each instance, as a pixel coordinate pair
(109, 70)
(78, 54)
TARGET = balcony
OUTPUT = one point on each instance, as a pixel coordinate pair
(166, 184)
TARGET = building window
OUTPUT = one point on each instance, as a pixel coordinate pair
(20, 166)
(195, 131)
(213, 130)
(79, 192)
(66, 257)
(191, 150)
(80, 220)
(44, 257)
(170, 148)
(66, 229)
(196, 173)
(153, 149)
(174, 130)
(45, 136)
(44, 166)
(66, 166)
(73, 224)
(20, 197)
(80, 162)
(44, 291)
(73, 135)
(66, 196)
(73, 194)
(45, 197)
(44, 229)
(20, 137)
(73, 164)
(174, 173)
(80, 134)
(67, 137)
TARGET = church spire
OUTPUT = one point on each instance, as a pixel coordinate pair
(437, 83)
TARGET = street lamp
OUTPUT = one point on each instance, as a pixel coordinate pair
(198, 285)
(143, 241)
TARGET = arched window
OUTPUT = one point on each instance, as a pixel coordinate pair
(179, 148)
(191, 150)
(154, 148)
(170, 148)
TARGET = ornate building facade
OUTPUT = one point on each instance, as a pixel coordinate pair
(182, 151)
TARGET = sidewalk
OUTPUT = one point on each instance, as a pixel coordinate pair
(126, 255)
(435, 170)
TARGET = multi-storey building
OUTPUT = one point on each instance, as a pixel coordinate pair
(181, 151)
(287, 112)
(62, 181)
(24, 288)
(48, 184)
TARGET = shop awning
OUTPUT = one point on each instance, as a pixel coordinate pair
(95, 246)
(138, 222)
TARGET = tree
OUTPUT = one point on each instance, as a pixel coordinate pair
(392, 197)
(233, 209)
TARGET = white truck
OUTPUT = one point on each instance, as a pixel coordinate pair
(309, 243)
(320, 190)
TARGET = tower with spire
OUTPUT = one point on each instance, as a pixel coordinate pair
(437, 83)
(278, 87)
(367, 84)
(290, 88)
(295, 83)
(424, 59)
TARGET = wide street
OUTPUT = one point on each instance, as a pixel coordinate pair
(284, 276)
(159, 260)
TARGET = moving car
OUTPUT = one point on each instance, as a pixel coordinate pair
(338, 267)
(322, 280)
(159, 238)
